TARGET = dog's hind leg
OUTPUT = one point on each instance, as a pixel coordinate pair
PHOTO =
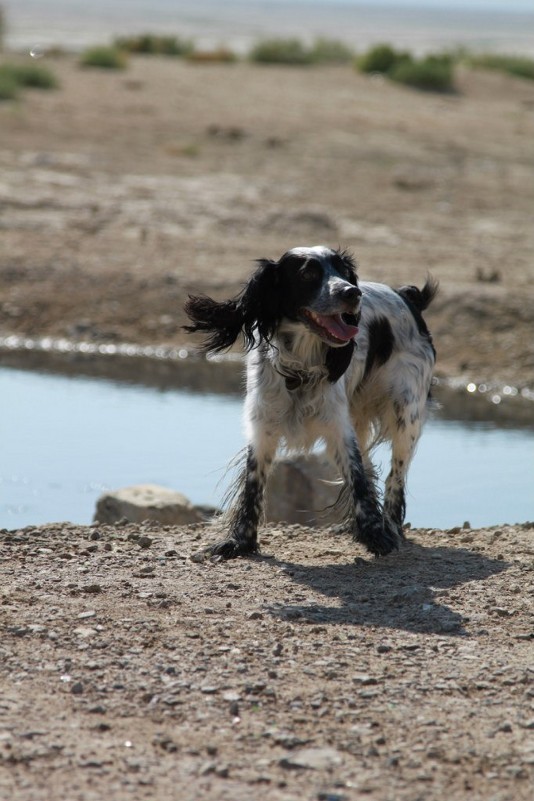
(405, 435)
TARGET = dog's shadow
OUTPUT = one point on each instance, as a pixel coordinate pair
(409, 590)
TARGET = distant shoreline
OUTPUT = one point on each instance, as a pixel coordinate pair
(73, 24)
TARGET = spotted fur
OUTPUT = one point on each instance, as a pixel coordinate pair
(328, 359)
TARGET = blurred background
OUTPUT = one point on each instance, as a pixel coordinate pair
(420, 25)
(151, 149)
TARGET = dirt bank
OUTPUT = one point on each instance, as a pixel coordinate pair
(122, 192)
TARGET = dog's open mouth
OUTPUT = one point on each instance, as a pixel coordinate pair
(336, 329)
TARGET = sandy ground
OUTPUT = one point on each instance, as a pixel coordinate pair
(310, 672)
(120, 193)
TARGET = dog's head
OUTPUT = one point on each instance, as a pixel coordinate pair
(314, 286)
(318, 287)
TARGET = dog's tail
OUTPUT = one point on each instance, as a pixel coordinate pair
(420, 298)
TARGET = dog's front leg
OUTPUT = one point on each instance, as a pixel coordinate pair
(244, 516)
(364, 518)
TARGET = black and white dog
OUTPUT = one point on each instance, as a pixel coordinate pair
(328, 359)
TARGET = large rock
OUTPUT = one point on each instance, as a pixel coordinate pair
(147, 502)
(299, 490)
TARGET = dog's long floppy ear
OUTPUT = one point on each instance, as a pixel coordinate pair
(255, 312)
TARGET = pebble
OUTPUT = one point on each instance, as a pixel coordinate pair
(231, 696)
(312, 759)
(364, 679)
(166, 744)
(144, 541)
(220, 770)
(368, 694)
(331, 797)
(383, 649)
(148, 571)
(92, 588)
(501, 611)
(85, 631)
(171, 700)
(102, 726)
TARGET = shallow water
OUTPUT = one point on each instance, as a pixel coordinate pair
(66, 440)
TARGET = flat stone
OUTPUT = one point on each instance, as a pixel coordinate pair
(147, 502)
(312, 759)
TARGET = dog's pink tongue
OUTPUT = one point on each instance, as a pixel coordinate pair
(336, 326)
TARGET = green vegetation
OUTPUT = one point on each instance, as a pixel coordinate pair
(294, 52)
(281, 51)
(9, 88)
(381, 58)
(154, 45)
(331, 51)
(432, 73)
(14, 77)
(520, 66)
(32, 75)
(104, 57)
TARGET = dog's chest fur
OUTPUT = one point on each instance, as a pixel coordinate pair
(288, 387)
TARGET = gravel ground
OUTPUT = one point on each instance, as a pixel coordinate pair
(308, 672)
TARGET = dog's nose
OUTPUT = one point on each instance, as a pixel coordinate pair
(351, 294)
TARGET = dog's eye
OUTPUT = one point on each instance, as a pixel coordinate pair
(346, 274)
(311, 271)
(345, 271)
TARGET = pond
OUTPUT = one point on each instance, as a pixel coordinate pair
(66, 439)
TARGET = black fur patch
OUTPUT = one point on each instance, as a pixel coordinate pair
(381, 344)
(337, 361)
(417, 301)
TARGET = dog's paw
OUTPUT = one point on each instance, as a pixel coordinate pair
(379, 538)
(396, 530)
(226, 549)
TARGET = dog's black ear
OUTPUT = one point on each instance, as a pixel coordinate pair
(337, 361)
(221, 322)
(260, 303)
(255, 309)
